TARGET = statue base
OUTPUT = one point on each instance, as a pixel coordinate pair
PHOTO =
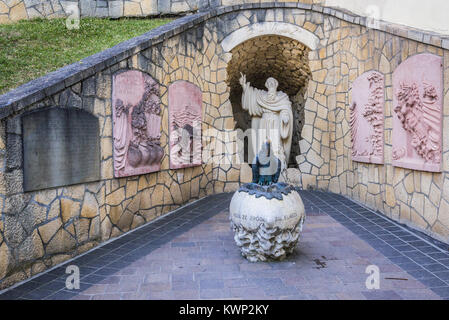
(267, 220)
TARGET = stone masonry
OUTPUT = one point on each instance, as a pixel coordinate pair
(41, 229)
(14, 10)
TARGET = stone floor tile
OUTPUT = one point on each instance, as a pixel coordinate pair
(192, 255)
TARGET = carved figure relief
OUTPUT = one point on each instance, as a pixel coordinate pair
(137, 124)
(367, 118)
(417, 116)
(185, 114)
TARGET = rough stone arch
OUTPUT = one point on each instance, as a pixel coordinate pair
(270, 28)
(266, 56)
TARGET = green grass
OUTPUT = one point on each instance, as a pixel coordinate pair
(30, 49)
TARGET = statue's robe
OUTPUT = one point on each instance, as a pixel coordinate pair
(268, 114)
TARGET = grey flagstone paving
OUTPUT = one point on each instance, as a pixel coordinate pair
(191, 254)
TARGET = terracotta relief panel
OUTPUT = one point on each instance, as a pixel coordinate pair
(185, 102)
(137, 124)
(417, 114)
(367, 118)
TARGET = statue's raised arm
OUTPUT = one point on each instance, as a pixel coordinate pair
(243, 82)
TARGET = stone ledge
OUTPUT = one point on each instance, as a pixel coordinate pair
(34, 91)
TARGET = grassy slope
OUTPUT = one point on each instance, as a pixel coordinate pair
(30, 49)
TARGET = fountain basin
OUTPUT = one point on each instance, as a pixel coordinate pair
(267, 220)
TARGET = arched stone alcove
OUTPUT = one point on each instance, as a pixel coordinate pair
(267, 56)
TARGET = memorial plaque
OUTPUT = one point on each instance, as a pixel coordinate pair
(367, 118)
(61, 147)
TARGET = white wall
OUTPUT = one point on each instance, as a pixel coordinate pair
(432, 15)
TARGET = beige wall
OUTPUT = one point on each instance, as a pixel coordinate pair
(427, 15)
(43, 228)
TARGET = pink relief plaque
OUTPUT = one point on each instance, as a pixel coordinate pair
(185, 114)
(417, 113)
(137, 124)
(367, 118)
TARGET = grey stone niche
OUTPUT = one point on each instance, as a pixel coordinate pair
(61, 147)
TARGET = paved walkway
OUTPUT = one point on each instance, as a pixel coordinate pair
(191, 255)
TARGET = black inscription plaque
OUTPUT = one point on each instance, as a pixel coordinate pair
(61, 147)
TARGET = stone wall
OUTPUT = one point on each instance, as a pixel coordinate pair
(14, 10)
(416, 198)
(42, 228)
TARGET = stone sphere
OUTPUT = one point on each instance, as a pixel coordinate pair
(267, 223)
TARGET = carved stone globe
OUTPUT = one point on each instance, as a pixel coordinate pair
(267, 220)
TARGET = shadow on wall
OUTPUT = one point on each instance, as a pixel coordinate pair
(271, 56)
